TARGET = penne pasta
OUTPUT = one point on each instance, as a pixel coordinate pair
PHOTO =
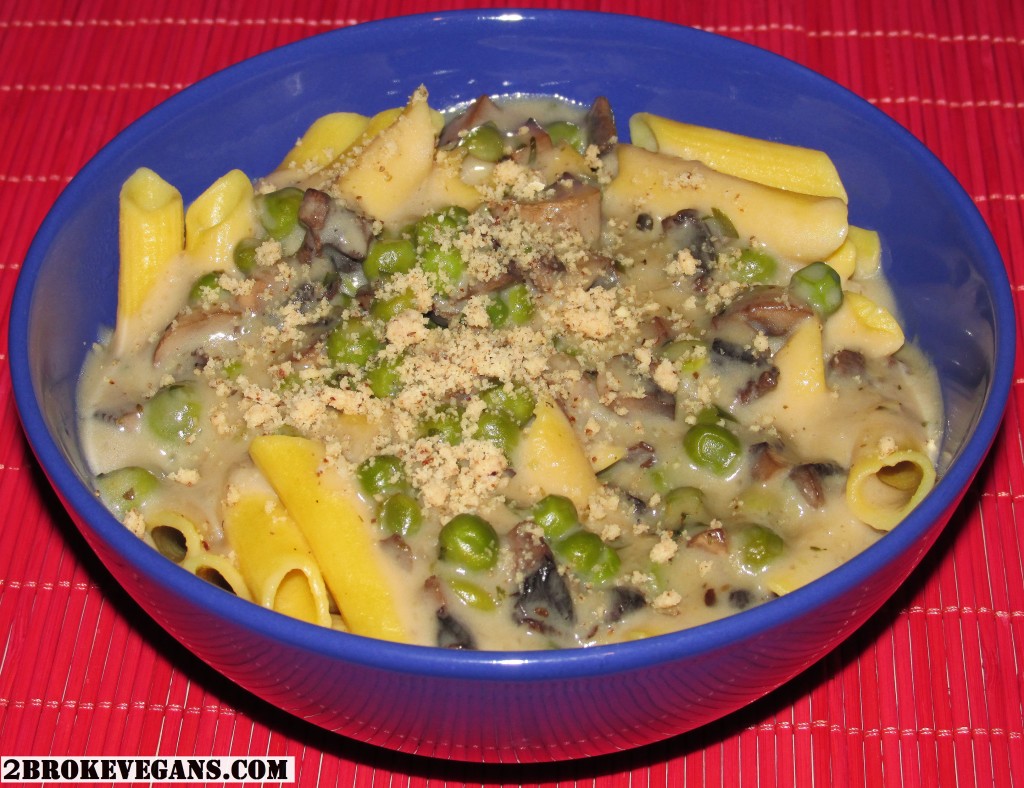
(336, 524)
(890, 475)
(274, 558)
(550, 457)
(218, 219)
(219, 571)
(789, 167)
(800, 226)
(151, 237)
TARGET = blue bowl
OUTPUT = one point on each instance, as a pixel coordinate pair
(946, 271)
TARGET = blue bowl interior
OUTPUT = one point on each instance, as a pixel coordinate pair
(949, 280)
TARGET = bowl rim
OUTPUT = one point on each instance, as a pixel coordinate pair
(511, 666)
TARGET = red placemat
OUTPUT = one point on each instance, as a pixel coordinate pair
(929, 692)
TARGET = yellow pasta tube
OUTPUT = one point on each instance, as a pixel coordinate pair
(325, 140)
(396, 175)
(393, 165)
(550, 458)
(337, 525)
(173, 534)
(889, 476)
(799, 226)
(151, 237)
(274, 558)
(789, 167)
(868, 247)
(218, 219)
(219, 571)
(863, 325)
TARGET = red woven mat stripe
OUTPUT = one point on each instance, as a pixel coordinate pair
(928, 693)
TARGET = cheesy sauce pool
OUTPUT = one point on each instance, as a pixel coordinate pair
(494, 380)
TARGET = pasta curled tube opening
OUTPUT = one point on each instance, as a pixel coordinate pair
(219, 571)
(777, 164)
(219, 218)
(151, 236)
(275, 559)
(885, 485)
(174, 535)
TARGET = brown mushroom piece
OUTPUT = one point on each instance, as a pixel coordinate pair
(624, 600)
(575, 206)
(686, 230)
(759, 386)
(713, 540)
(763, 309)
(331, 226)
(542, 602)
(451, 633)
(600, 125)
(537, 147)
(195, 337)
(808, 480)
(481, 111)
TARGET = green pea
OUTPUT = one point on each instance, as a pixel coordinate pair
(244, 254)
(352, 342)
(384, 380)
(589, 557)
(382, 475)
(388, 257)
(720, 224)
(520, 305)
(754, 266)
(434, 227)
(233, 368)
(712, 415)
(499, 428)
(445, 266)
(207, 286)
(517, 402)
(758, 547)
(565, 131)
(279, 212)
(819, 286)
(125, 489)
(497, 311)
(400, 514)
(713, 448)
(484, 142)
(557, 515)
(469, 541)
(387, 308)
(446, 423)
(689, 354)
(682, 504)
(349, 285)
(471, 594)
(174, 412)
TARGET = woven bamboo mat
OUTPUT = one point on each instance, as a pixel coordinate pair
(929, 693)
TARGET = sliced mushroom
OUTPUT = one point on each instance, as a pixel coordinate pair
(195, 337)
(575, 206)
(330, 224)
(759, 386)
(624, 600)
(543, 602)
(847, 363)
(686, 230)
(600, 125)
(765, 309)
(481, 111)
(713, 540)
(766, 461)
